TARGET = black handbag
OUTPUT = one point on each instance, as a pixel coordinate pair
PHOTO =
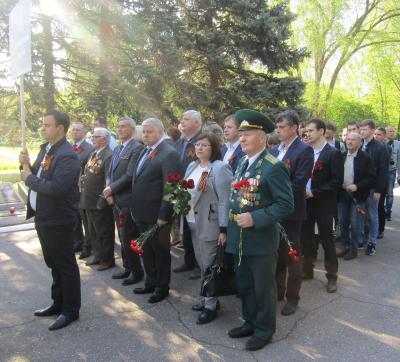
(218, 280)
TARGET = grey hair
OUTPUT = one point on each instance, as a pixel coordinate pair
(104, 132)
(358, 136)
(154, 122)
(195, 115)
(129, 120)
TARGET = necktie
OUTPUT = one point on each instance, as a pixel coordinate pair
(114, 162)
(245, 165)
(143, 160)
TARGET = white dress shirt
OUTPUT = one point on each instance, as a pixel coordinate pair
(231, 150)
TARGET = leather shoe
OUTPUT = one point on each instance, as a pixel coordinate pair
(105, 266)
(331, 287)
(84, 254)
(206, 316)
(351, 255)
(144, 290)
(158, 296)
(289, 308)
(133, 279)
(62, 321)
(92, 262)
(200, 307)
(122, 274)
(182, 268)
(240, 332)
(255, 343)
(46, 312)
(341, 253)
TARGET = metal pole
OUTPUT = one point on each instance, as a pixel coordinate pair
(22, 106)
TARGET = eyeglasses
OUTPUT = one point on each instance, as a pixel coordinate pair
(97, 136)
(201, 145)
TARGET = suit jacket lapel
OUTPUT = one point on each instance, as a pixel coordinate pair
(147, 160)
(198, 193)
(291, 149)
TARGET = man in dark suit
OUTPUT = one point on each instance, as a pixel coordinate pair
(52, 199)
(299, 159)
(83, 150)
(99, 214)
(191, 128)
(231, 151)
(148, 207)
(321, 195)
(380, 158)
(359, 178)
(118, 192)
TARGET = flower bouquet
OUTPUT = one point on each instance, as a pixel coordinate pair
(138, 244)
(177, 194)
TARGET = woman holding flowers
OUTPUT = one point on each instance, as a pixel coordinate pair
(208, 215)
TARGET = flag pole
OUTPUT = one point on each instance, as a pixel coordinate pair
(22, 107)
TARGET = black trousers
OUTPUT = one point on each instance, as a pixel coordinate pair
(102, 234)
(289, 277)
(58, 253)
(382, 213)
(189, 257)
(127, 231)
(324, 220)
(87, 245)
(157, 257)
(78, 231)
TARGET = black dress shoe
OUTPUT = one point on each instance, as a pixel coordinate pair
(331, 287)
(144, 290)
(122, 274)
(84, 254)
(62, 321)
(240, 332)
(133, 279)
(289, 308)
(255, 343)
(206, 316)
(182, 268)
(158, 296)
(200, 307)
(45, 312)
(351, 255)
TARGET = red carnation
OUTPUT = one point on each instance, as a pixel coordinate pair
(136, 247)
(190, 184)
(173, 177)
(319, 165)
(241, 185)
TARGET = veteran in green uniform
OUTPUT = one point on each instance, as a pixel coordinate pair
(261, 197)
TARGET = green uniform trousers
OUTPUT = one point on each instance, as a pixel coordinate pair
(256, 283)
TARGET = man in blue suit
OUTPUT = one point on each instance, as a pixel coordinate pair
(231, 151)
(53, 198)
(299, 159)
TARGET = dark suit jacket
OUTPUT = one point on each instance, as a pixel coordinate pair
(299, 159)
(380, 157)
(93, 180)
(187, 154)
(120, 179)
(148, 204)
(57, 187)
(236, 156)
(364, 176)
(84, 153)
(327, 178)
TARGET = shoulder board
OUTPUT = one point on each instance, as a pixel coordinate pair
(271, 159)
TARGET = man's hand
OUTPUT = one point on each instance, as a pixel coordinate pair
(222, 239)
(351, 188)
(161, 222)
(376, 196)
(24, 157)
(245, 220)
(25, 174)
(309, 194)
(107, 192)
(110, 200)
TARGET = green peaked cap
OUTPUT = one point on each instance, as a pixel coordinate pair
(248, 120)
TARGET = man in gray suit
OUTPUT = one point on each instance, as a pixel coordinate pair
(99, 213)
(83, 150)
(158, 160)
(118, 193)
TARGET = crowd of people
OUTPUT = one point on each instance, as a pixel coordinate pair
(252, 179)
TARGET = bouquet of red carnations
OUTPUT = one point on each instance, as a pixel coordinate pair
(177, 194)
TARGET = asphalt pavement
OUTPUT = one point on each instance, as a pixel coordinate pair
(359, 322)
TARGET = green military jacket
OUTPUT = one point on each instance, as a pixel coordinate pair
(93, 180)
(269, 199)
